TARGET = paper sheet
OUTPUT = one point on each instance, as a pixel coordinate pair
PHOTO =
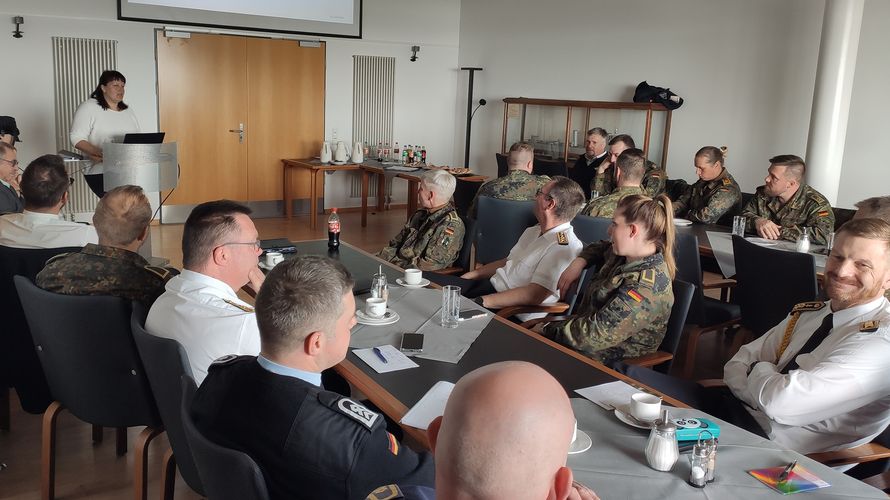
(610, 395)
(395, 359)
(430, 406)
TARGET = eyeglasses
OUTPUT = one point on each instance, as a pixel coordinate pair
(14, 163)
(540, 192)
(255, 244)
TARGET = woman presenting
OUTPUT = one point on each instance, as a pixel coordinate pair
(102, 118)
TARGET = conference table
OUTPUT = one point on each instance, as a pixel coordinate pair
(615, 466)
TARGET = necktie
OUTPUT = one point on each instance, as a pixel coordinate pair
(813, 342)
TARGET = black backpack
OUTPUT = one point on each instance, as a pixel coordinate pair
(651, 93)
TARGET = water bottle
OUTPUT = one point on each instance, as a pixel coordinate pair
(334, 230)
(396, 155)
(423, 155)
(405, 154)
(803, 242)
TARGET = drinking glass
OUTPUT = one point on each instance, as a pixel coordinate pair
(738, 225)
(450, 306)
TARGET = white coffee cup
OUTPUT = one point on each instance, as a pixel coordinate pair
(273, 258)
(413, 276)
(645, 407)
(375, 307)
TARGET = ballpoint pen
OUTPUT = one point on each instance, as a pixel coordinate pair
(787, 472)
(380, 355)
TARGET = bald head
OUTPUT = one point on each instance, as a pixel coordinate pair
(505, 434)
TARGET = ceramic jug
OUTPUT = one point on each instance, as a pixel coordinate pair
(357, 154)
(340, 152)
(325, 155)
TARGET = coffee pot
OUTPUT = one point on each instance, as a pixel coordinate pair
(325, 155)
(340, 152)
(357, 153)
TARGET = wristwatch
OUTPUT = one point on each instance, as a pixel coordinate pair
(479, 300)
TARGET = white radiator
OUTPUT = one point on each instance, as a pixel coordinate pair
(77, 64)
(373, 93)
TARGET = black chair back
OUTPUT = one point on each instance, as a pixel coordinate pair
(226, 474)
(165, 363)
(19, 366)
(683, 293)
(591, 229)
(89, 357)
(499, 224)
(686, 254)
(503, 164)
(550, 168)
(841, 216)
(789, 278)
(463, 258)
(464, 193)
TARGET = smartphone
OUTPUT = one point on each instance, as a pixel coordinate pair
(470, 314)
(412, 343)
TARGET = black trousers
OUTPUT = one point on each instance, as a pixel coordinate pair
(96, 182)
(468, 288)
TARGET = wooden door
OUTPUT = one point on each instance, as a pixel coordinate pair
(286, 85)
(202, 94)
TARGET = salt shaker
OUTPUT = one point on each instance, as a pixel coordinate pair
(662, 451)
(803, 242)
(703, 461)
(379, 287)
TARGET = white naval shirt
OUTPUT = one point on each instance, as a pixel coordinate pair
(40, 230)
(838, 398)
(194, 311)
(540, 259)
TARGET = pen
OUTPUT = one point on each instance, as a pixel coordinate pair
(787, 472)
(380, 355)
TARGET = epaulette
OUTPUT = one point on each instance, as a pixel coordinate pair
(808, 306)
(452, 215)
(388, 492)
(869, 326)
(647, 276)
(161, 272)
(58, 256)
(243, 307)
(562, 238)
(727, 181)
(349, 408)
(225, 360)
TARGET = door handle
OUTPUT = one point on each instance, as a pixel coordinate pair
(240, 131)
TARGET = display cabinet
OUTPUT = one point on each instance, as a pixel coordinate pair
(557, 128)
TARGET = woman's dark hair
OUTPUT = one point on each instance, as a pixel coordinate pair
(108, 76)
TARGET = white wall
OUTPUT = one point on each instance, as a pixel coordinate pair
(746, 69)
(425, 90)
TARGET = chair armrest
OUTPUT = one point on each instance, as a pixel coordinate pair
(712, 382)
(534, 322)
(450, 271)
(556, 308)
(249, 291)
(867, 452)
(651, 359)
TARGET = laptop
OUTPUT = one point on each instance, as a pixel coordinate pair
(145, 138)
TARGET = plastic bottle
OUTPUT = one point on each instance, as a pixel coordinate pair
(334, 230)
(396, 155)
(386, 152)
(405, 154)
(380, 151)
(423, 155)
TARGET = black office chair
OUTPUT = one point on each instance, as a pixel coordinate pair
(226, 474)
(165, 363)
(662, 359)
(591, 229)
(464, 192)
(503, 164)
(92, 367)
(841, 216)
(705, 313)
(770, 283)
(499, 225)
(19, 366)
(550, 168)
(462, 264)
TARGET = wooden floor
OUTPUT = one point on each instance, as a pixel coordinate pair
(88, 471)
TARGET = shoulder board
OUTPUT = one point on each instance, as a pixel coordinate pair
(244, 308)
(58, 256)
(225, 360)
(357, 412)
(808, 306)
(823, 213)
(562, 238)
(161, 272)
(648, 276)
(452, 215)
(869, 326)
(388, 492)
(727, 181)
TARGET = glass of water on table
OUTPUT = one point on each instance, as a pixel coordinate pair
(738, 225)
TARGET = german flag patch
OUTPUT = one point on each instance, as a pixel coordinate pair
(823, 213)
(634, 295)
(393, 444)
(449, 231)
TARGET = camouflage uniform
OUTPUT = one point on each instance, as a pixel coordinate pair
(604, 206)
(429, 241)
(625, 309)
(517, 185)
(807, 208)
(707, 201)
(103, 270)
(653, 180)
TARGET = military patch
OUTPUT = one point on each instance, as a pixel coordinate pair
(224, 360)
(808, 306)
(562, 238)
(357, 412)
(388, 492)
(160, 272)
(634, 295)
(243, 307)
(648, 276)
(727, 181)
(393, 444)
(449, 231)
(869, 326)
(823, 213)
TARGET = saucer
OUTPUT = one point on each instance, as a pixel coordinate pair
(338, 162)
(582, 443)
(389, 318)
(762, 241)
(682, 222)
(423, 282)
(630, 420)
(265, 266)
